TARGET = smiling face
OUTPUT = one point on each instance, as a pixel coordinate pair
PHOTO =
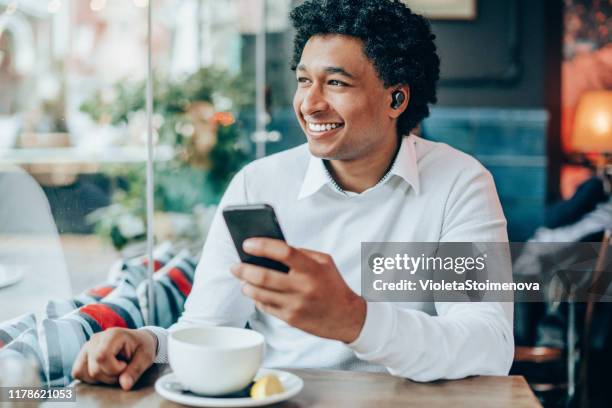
(341, 104)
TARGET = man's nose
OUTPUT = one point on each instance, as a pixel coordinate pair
(314, 101)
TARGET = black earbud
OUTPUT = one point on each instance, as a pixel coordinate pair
(398, 98)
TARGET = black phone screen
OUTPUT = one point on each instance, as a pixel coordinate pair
(253, 220)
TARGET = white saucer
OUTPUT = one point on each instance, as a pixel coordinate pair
(10, 276)
(169, 388)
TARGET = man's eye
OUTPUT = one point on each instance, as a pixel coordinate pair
(303, 80)
(335, 82)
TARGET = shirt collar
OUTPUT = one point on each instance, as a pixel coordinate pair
(404, 166)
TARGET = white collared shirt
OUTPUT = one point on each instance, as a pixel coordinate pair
(432, 193)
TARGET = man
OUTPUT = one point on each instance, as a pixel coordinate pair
(366, 71)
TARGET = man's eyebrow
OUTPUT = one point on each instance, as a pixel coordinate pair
(338, 70)
(330, 70)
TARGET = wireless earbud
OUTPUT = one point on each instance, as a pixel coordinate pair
(398, 98)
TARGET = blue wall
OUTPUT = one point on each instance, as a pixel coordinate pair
(511, 143)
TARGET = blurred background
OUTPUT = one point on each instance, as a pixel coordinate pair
(525, 88)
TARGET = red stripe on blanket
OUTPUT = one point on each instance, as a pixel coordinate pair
(157, 264)
(100, 291)
(104, 315)
(179, 279)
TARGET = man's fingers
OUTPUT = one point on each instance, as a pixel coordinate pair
(320, 257)
(106, 379)
(263, 277)
(103, 361)
(141, 360)
(266, 296)
(279, 251)
(269, 309)
(98, 360)
(107, 363)
(80, 370)
(83, 371)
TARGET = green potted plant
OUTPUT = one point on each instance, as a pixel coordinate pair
(196, 116)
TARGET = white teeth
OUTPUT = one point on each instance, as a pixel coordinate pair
(320, 127)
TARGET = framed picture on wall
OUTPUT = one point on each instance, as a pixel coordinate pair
(444, 9)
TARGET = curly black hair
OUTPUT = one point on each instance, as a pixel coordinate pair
(399, 43)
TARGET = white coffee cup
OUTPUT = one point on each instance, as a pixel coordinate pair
(215, 360)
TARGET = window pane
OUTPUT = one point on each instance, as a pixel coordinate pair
(66, 147)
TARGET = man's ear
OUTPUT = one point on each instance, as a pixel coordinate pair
(399, 97)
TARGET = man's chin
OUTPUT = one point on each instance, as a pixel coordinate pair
(322, 152)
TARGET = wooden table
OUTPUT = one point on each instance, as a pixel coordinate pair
(325, 388)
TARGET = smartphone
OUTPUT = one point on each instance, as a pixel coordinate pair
(254, 220)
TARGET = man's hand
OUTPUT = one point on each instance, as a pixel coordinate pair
(115, 356)
(312, 297)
